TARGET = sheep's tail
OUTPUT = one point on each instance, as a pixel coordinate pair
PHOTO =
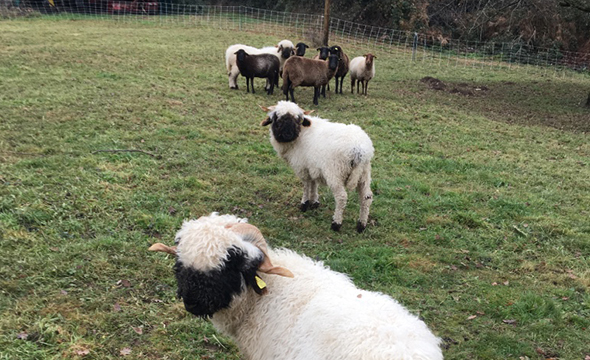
(360, 162)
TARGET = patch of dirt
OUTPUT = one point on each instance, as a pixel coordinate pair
(461, 88)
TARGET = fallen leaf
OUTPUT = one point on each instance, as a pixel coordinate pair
(494, 283)
(54, 249)
(587, 357)
(565, 298)
(125, 351)
(506, 283)
(124, 283)
(63, 292)
(82, 352)
(472, 317)
(480, 313)
(22, 336)
(509, 321)
(138, 330)
(453, 267)
(117, 307)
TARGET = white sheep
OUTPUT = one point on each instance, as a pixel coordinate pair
(223, 271)
(283, 50)
(362, 69)
(322, 152)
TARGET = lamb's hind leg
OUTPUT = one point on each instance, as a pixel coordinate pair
(305, 203)
(233, 77)
(340, 197)
(365, 200)
(314, 197)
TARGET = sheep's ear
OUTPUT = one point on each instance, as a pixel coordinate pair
(307, 112)
(280, 49)
(318, 49)
(306, 122)
(266, 121)
(306, 46)
(267, 109)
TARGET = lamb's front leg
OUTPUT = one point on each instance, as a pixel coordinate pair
(340, 196)
(307, 186)
(314, 197)
(365, 200)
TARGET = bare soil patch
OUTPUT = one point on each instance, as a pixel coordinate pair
(460, 88)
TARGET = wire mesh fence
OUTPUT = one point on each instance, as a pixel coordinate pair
(308, 28)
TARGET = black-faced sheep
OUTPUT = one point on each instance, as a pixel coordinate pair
(362, 69)
(323, 54)
(299, 310)
(342, 66)
(300, 49)
(322, 152)
(262, 66)
(300, 71)
(283, 50)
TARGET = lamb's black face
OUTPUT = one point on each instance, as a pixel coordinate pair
(206, 292)
(286, 128)
(336, 50)
(286, 53)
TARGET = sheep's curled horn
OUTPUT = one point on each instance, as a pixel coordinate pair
(248, 233)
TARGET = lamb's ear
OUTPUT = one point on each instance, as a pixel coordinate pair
(280, 49)
(306, 46)
(267, 109)
(306, 122)
(318, 49)
(307, 112)
(266, 121)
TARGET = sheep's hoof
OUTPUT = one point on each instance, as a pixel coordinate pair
(336, 226)
(233, 87)
(315, 205)
(304, 206)
(360, 227)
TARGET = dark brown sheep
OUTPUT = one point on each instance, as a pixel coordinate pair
(300, 71)
(262, 66)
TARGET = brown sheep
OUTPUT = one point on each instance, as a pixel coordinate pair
(300, 71)
(342, 65)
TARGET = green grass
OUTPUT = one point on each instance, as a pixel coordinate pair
(481, 202)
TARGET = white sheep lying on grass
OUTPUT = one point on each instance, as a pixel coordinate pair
(322, 152)
(283, 50)
(223, 270)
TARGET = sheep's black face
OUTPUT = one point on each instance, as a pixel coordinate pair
(324, 52)
(333, 62)
(241, 55)
(301, 49)
(286, 53)
(286, 128)
(206, 292)
(336, 50)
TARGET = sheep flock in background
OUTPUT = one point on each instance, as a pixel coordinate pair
(277, 304)
(307, 73)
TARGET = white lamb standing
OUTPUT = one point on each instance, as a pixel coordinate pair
(283, 50)
(308, 312)
(323, 152)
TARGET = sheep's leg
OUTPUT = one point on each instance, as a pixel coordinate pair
(316, 94)
(313, 195)
(340, 196)
(358, 85)
(252, 82)
(292, 95)
(307, 184)
(351, 85)
(233, 77)
(365, 200)
(336, 80)
(324, 91)
(366, 87)
(341, 82)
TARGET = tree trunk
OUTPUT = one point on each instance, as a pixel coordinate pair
(588, 101)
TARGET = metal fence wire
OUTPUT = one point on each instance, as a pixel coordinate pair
(308, 27)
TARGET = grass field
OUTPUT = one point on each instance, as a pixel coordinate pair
(479, 223)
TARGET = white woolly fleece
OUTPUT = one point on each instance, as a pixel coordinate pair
(205, 241)
(320, 314)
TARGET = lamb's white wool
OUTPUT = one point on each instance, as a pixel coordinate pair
(317, 314)
(205, 241)
(362, 69)
(324, 152)
(230, 57)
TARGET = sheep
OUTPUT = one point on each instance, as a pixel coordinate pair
(299, 310)
(323, 54)
(283, 50)
(300, 71)
(262, 65)
(300, 49)
(362, 69)
(322, 152)
(342, 66)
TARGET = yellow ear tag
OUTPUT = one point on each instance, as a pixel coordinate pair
(261, 284)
